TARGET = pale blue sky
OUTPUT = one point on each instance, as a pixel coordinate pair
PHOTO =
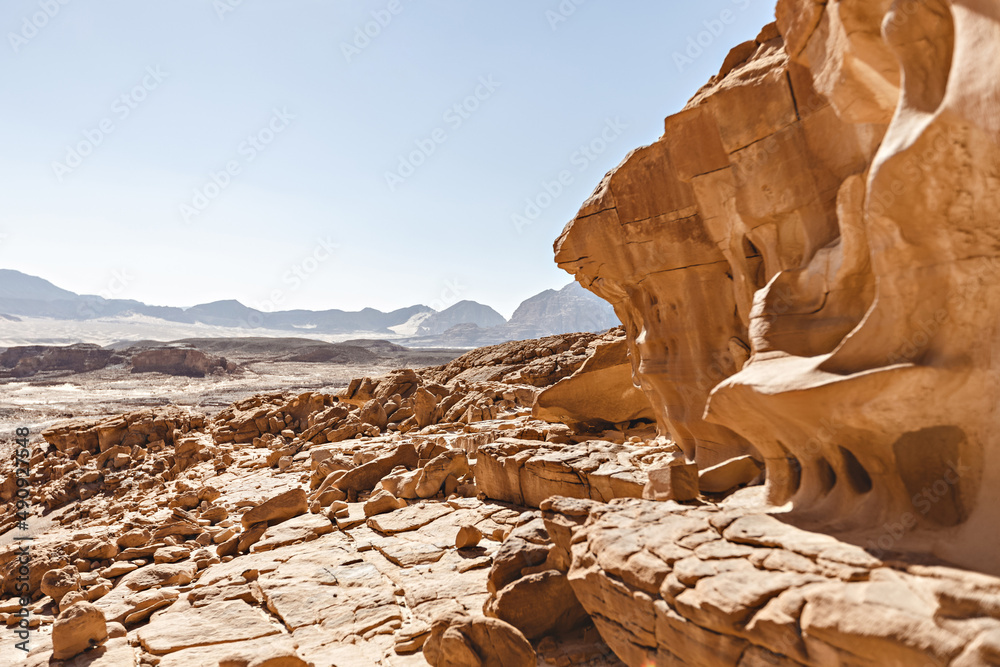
(199, 81)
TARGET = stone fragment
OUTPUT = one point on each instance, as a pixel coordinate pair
(57, 583)
(729, 475)
(250, 537)
(279, 508)
(221, 621)
(170, 554)
(165, 574)
(365, 477)
(677, 480)
(468, 536)
(380, 503)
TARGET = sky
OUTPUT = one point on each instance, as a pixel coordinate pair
(329, 153)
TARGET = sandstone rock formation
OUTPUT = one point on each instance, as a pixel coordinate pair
(526, 472)
(671, 585)
(807, 282)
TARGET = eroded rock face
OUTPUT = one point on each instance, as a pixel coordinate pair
(809, 279)
(671, 585)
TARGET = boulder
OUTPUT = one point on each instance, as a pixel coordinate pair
(453, 463)
(277, 509)
(57, 583)
(373, 413)
(424, 407)
(380, 503)
(78, 628)
(459, 639)
(468, 537)
(539, 604)
(365, 477)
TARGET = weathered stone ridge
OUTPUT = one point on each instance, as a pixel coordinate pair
(672, 585)
(806, 260)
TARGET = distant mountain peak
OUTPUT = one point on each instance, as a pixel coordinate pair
(467, 323)
(463, 312)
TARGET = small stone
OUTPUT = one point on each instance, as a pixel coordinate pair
(380, 503)
(468, 536)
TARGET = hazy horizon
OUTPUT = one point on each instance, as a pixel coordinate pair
(315, 156)
(445, 303)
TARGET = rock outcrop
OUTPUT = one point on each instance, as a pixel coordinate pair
(803, 263)
(29, 360)
(601, 393)
(671, 585)
(183, 360)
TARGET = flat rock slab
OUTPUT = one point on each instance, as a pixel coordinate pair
(409, 518)
(322, 584)
(278, 651)
(355, 517)
(302, 528)
(114, 653)
(217, 623)
(159, 574)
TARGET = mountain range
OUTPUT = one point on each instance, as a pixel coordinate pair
(464, 324)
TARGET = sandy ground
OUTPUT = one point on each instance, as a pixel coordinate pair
(106, 331)
(42, 400)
